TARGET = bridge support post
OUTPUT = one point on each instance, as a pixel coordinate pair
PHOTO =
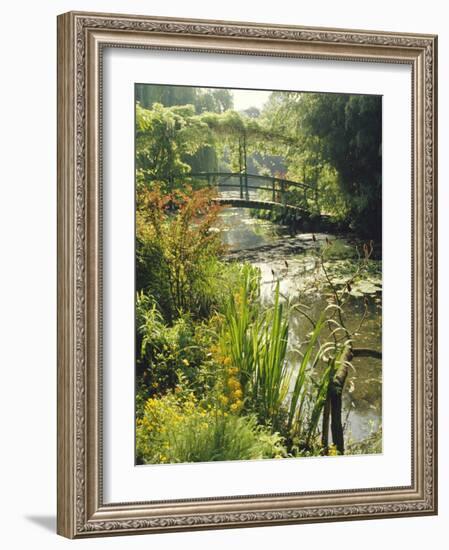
(273, 187)
(241, 167)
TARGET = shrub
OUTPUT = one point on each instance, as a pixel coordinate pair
(165, 353)
(178, 428)
(177, 250)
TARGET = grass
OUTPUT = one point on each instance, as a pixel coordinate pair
(178, 428)
(257, 342)
(300, 393)
(271, 375)
(217, 385)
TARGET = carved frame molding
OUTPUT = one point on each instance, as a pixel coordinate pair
(81, 39)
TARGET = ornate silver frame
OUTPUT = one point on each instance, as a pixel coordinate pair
(81, 38)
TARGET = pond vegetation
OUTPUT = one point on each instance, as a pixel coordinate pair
(257, 336)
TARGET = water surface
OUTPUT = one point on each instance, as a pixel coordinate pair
(292, 259)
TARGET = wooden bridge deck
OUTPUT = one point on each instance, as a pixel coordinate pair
(254, 203)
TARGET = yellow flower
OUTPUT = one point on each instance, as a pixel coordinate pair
(333, 450)
(233, 384)
(235, 407)
(186, 363)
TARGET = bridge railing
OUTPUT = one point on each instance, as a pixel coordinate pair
(278, 188)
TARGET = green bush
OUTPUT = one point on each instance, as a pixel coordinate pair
(165, 353)
(178, 428)
(177, 250)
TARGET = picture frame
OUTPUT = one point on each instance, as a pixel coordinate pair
(82, 39)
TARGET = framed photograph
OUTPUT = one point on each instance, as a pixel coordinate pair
(246, 274)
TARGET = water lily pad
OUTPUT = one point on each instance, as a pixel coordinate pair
(367, 287)
(356, 293)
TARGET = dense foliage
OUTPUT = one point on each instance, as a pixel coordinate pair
(339, 148)
(332, 142)
(212, 376)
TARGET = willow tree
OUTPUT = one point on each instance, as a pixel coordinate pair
(165, 136)
(216, 100)
(242, 136)
(339, 145)
(173, 142)
(202, 100)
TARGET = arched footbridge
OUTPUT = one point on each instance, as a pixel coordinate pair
(240, 189)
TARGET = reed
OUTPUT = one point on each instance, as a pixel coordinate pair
(241, 312)
(300, 395)
(256, 340)
(271, 375)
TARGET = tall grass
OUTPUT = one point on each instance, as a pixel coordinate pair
(256, 340)
(311, 390)
(271, 375)
(300, 396)
(222, 438)
(241, 312)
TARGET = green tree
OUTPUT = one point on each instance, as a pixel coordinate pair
(174, 141)
(152, 151)
(165, 136)
(339, 144)
(177, 250)
(216, 100)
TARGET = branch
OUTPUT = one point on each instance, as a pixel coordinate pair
(367, 352)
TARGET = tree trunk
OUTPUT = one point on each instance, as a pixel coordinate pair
(367, 352)
(336, 393)
(326, 417)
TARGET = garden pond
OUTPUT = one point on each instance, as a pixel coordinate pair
(293, 259)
